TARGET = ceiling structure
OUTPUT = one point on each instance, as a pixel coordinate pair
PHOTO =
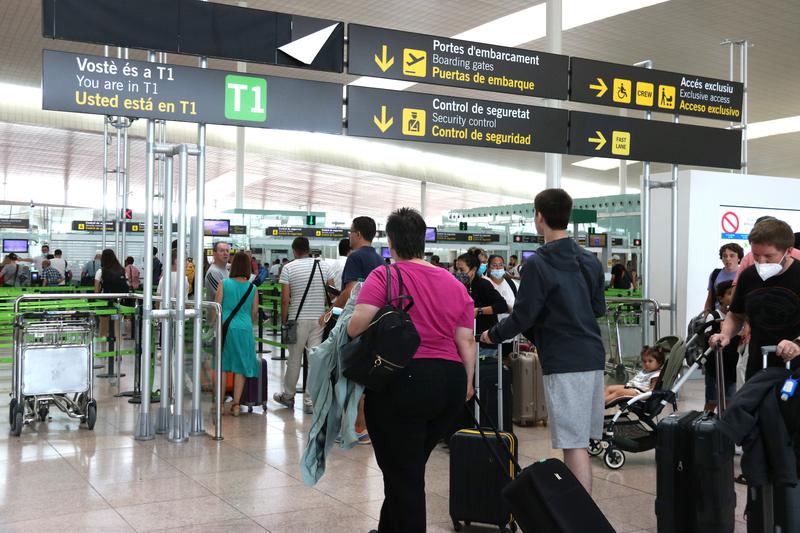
(679, 35)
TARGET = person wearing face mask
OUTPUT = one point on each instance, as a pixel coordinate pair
(488, 302)
(504, 284)
(748, 260)
(768, 297)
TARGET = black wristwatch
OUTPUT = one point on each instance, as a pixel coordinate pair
(480, 311)
(797, 341)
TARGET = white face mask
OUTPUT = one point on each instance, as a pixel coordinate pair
(497, 274)
(768, 270)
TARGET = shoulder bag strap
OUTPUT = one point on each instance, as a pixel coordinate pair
(388, 284)
(305, 293)
(16, 271)
(324, 287)
(227, 323)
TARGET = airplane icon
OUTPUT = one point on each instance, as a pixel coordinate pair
(415, 62)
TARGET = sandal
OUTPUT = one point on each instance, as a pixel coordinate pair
(235, 409)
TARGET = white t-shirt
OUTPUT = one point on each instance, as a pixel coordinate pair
(296, 275)
(642, 379)
(37, 261)
(174, 286)
(505, 291)
(336, 269)
(274, 270)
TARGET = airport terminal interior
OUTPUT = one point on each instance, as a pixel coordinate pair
(269, 142)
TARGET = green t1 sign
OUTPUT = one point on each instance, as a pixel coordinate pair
(245, 98)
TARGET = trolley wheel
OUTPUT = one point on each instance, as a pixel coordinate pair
(249, 408)
(43, 412)
(595, 447)
(456, 525)
(614, 458)
(11, 407)
(19, 420)
(264, 407)
(91, 414)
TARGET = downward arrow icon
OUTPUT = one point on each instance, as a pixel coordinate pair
(382, 123)
(383, 63)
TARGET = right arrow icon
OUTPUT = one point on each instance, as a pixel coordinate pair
(600, 87)
(600, 140)
(383, 123)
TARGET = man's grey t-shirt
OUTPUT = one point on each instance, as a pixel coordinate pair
(214, 277)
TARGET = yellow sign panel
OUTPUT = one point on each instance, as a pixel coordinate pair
(644, 93)
(622, 91)
(620, 142)
(415, 62)
(414, 122)
(666, 96)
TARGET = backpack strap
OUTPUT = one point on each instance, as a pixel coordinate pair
(401, 295)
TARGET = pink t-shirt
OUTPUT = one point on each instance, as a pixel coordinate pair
(441, 304)
(748, 261)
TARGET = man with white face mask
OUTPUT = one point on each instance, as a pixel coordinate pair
(768, 297)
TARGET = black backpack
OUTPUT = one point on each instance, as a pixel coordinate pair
(114, 282)
(388, 344)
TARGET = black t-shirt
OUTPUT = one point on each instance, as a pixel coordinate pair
(622, 280)
(772, 308)
(360, 263)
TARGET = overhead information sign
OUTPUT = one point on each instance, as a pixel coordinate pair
(312, 233)
(108, 86)
(612, 84)
(449, 120)
(591, 134)
(238, 230)
(420, 58)
(15, 223)
(91, 225)
(528, 239)
(448, 236)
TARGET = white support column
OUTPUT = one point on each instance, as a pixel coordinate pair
(240, 147)
(553, 163)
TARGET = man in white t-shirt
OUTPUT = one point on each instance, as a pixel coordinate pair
(303, 272)
(337, 265)
(275, 270)
(60, 264)
(37, 261)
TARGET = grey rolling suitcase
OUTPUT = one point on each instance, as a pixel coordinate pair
(529, 405)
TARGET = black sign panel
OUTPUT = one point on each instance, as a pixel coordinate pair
(311, 233)
(449, 120)
(108, 86)
(651, 140)
(200, 28)
(448, 236)
(238, 230)
(91, 225)
(528, 239)
(15, 223)
(420, 58)
(611, 84)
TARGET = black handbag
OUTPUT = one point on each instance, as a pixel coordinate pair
(388, 344)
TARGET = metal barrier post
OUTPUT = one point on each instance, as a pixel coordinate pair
(162, 420)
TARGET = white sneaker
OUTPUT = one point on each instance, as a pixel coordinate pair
(308, 408)
(285, 401)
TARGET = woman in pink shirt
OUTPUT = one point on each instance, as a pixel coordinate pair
(408, 418)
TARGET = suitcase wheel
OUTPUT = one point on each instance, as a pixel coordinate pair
(264, 407)
(249, 408)
(614, 458)
(595, 447)
(456, 525)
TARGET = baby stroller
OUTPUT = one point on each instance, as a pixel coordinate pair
(633, 427)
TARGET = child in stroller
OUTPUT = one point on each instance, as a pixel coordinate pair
(632, 427)
(644, 380)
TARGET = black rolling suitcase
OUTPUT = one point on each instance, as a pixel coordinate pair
(694, 469)
(547, 498)
(776, 509)
(482, 463)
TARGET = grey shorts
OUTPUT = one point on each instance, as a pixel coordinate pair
(575, 408)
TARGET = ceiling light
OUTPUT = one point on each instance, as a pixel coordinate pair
(601, 163)
(778, 126)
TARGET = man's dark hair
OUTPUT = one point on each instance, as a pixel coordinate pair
(155, 250)
(435, 259)
(772, 231)
(57, 253)
(470, 259)
(128, 260)
(344, 247)
(555, 205)
(46, 246)
(406, 229)
(513, 256)
(50, 256)
(300, 244)
(733, 247)
(366, 227)
(797, 240)
(723, 287)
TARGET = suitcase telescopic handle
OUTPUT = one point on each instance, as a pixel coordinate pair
(766, 350)
(491, 449)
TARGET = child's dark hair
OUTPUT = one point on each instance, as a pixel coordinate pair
(723, 287)
(656, 352)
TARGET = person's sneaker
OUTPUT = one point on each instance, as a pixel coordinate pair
(364, 439)
(283, 400)
(308, 408)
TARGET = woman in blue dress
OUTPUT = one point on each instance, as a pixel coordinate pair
(239, 351)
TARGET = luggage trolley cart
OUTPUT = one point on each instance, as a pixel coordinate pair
(52, 365)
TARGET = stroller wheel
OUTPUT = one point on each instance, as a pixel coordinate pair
(595, 447)
(614, 458)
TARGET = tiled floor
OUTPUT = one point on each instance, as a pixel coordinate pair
(61, 477)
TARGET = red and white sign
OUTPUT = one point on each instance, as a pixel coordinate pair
(730, 222)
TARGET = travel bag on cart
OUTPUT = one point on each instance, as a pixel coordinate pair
(694, 471)
(771, 508)
(547, 498)
(255, 389)
(482, 463)
(527, 384)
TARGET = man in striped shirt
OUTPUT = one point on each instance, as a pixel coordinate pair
(303, 300)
